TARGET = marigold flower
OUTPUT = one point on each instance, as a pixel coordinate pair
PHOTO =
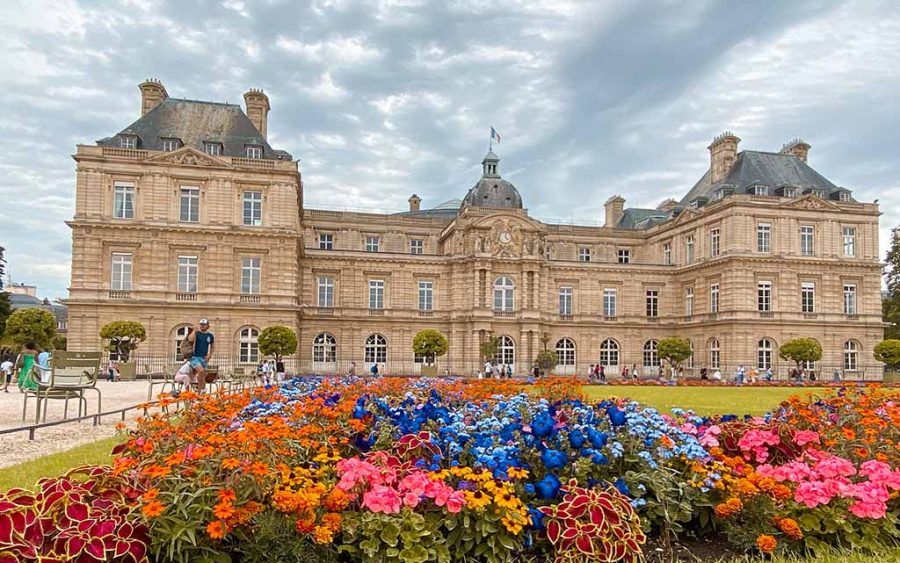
(153, 509)
(305, 525)
(336, 501)
(223, 510)
(790, 528)
(766, 543)
(322, 535)
(150, 495)
(332, 521)
(231, 463)
(217, 529)
(258, 468)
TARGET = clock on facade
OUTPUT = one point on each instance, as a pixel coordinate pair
(505, 237)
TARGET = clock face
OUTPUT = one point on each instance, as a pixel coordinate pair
(505, 237)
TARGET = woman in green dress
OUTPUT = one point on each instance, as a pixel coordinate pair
(26, 361)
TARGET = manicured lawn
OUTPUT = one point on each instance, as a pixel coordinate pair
(25, 474)
(703, 400)
(885, 556)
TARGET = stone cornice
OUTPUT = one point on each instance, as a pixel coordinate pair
(141, 226)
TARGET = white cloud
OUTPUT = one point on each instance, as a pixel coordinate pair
(333, 51)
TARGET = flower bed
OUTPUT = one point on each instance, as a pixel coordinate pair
(418, 470)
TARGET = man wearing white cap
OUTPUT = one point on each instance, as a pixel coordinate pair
(204, 343)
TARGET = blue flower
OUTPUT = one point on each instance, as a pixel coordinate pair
(616, 416)
(597, 439)
(554, 459)
(542, 425)
(548, 487)
(622, 486)
(537, 518)
(576, 439)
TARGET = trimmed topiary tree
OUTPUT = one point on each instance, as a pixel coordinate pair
(546, 360)
(430, 344)
(674, 351)
(888, 352)
(277, 341)
(800, 350)
(124, 337)
(30, 325)
(489, 347)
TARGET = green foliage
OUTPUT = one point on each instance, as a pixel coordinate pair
(801, 350)
(277, 341)
(31, 325)
(483, 535)
(407, 537)
(888, 351)
(5, 307)
(59, 342)
(674, 350)
(274, 538)
(489, 347)
(546, 360)
(890, 306)
(430, 344)
(124, 337)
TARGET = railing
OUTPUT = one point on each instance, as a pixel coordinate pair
(852, 317)
(250, 299)
(504, 314)
(125, 153)
(376, 312)
(426, 313)
(610, 318)
(253, 162)
(566, 317)
(767, 314)
(325, 311)
(810, 316)
(185, 297)
(119, 294)
(652, 319)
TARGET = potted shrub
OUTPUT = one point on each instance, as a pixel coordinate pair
(801, 350)
(674, 351)
(277, 341)
(124, 338)
(429, 344)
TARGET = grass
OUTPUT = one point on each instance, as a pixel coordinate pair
(703, 400)
(888, 555)
(27, 473)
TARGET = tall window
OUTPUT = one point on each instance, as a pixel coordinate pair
(123, 200)
(689, 249)
(609, 302)
(372, 244)
(506, 353)
(849, 241)
(609, 353)
(806, 240)
(253, 208)
(376, 349)
(764, 350)
(171, 144)
(849, 299)
(667, 254)
(808, 297)
(376, 294)
(213, 149)
(851, 355)
(565, 301)
(764, 237)
(624, 256)
(714, 355)
(584, 254)
(326, 241)
(180, 334)
(190, 205)
(714, 298)
(651, 356)
(254, 151)
(689, 301)
(187, 274)
(248, 345)
(250, 275)
(565, 352)
(326, 291)
(324, 348)
(416, 246)
(714, 242)
(120, 278)
(764, 296)
(652, 302)
(426, 295)
(504, 290)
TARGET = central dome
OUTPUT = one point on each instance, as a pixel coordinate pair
(492, 190)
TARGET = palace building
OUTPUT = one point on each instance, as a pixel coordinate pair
(188, 212)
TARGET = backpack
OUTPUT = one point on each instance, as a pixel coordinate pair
(186, 349)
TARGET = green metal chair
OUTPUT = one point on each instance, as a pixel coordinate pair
(71, 374)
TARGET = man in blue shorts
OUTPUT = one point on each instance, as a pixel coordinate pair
(204, 343)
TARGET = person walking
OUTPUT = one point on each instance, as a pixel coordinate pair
(279, 371)
(204, 345)
(25, 363)
(704, 373)
(267, 373)
(601, 372)
(768, 375)
(487, 368)
(6, 370)
(739, 375)
(374, 369)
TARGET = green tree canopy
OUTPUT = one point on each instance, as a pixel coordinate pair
(5, 306)
(888, 351)
(430, 344)
(59, 342)
(124, 337)
(30, 325)
(674, 350)
(546, 360)
(890, 306)
(801, 350)
(277, 341)
(489, 347)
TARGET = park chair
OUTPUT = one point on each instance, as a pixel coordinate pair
(213, 369)
(235, 379)
(163, 379)
(71, 374)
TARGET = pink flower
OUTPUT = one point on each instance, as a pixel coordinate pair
(871, 500)
(455, 502)
(382, 499)
(811, 494)
(756, 441)
(416, 483)
(411, 500)
(803, 437)
(794, 471)
(835, 466)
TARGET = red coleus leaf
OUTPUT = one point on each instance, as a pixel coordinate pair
(570, 533)
(119, 448)
(138, 550)
(77, 511)
(95, 548)
(547, 510)
(7, 527)
(21, 499)
(6, 506)
(584, 545)
(103, 529)
(597, 516)
(553, 531)
(75, 545)
(121, 548)
(618, 550)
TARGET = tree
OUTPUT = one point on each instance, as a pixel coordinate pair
(430, 344)
(5, 307)
(277, 341)
(30, 325)
(59, 342)
(123, 337)
(888, 351)
(546, 360)
(890, 306)
(489, 346)
(674, 350)
(801, 350)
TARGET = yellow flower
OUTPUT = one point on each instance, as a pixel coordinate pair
(517, 473)
(506, 500)
(476, 500)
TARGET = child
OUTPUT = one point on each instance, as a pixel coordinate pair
(184, 378)
(279, 371)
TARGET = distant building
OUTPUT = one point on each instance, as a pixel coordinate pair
(189, 212)
(22, 296)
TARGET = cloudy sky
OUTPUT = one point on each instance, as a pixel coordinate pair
(384, 98)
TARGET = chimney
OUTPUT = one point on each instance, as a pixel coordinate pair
(615, 209)
(414, 202)
(257, 109)
(722, 152)
(796, 148)
(153, 93)
(666, 205)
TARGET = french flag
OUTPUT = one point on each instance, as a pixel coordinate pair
(495, 135)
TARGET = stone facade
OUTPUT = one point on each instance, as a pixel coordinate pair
(357, 286)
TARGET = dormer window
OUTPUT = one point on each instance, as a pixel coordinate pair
(214, 149)
(254, 151)
(844, 196)
(128, 141)
(170, 144)
(759, 190)
(790, 191)
(817, 193)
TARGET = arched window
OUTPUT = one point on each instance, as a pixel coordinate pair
(651, 357)
(376, 349)
(248, 345)
(715, 358)
(179, 335)
(609, 353)
(504, 293)
(765, 348)
(851, 355)
(565, 352)
(506, 353)
(324, 348)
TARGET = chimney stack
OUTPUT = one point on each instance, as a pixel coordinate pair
(153, 93)
(797, 148)
(615, 209)
(722, 152)
(414, 202)
(258, 109)
(667, 205)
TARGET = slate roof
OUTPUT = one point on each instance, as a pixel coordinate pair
(638, 218)
(447, 210)
(493, 192)
(19, 301)
(194, 122)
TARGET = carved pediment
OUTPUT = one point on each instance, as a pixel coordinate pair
(685, 215)
(810, 201)
(187, 156)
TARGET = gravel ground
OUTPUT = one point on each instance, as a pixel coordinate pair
(16, 447)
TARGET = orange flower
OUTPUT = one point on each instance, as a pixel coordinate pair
(322, 535)
(217, 529)
(157, 471)
(729, 507)
(175, 458)
(227, 495)
(258, 468)
(332, 521)
(336, 501)
(150, 495)
(224, 510)
(202, 452)
(766, 544)
(231, 463)
(306, 525)
(790, 528)
(153, 509)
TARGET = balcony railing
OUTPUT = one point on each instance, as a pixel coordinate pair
(376, 312)
(253, 162)
(426, 313)
(810, 316)
(767, 314)
(248, 298)
(504, 314)
(185, 297)
(119, 294)
(125, 153)
(563, 317)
